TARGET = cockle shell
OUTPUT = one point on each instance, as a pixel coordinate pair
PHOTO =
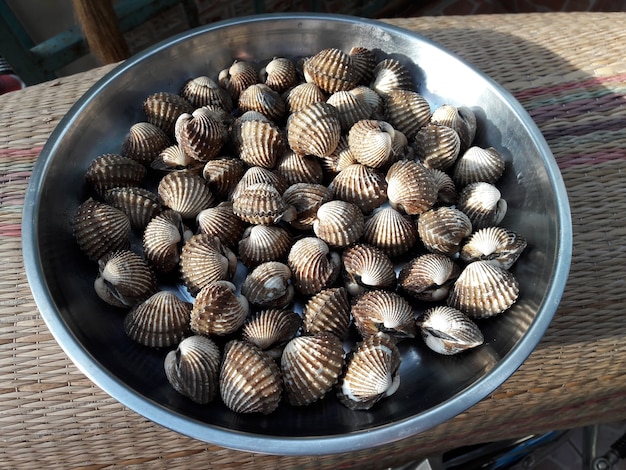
(306, 198)
(268, 329)
(263, 99)
(310, 367)
(339, 223)
(204, 91)
(279, 74)
(366, 267)
(268, 285)
(372, 143)
(221, 222)
(497, 245)
(410, 187)
(341, 158)
(174, 158)
(204, 259)
(314, 130)
(218, 309)
(222, 174)
(406, 111)
(261, 243)
(351, 108)
(391, 231)
(313, 265)
(376, 101)
(186, 193)
(383, 311)
(478, 164)
(443, 229)
(100, 228)
(361, 185)
(250, 379)
(372, 373)
(303, 95)
(462, 120)
(144, 142)
(200, 135)
(448, 331)
(483, 204)
(429, 276)
(124, 279)
(193, 368)
(110, 171)
(296, 168)
(236, 78)
(483, 290)
(257, 174)
(446, 189)
(139, 204)
(262, 203)
(259, 141)
(437, 146)
(328, 311)
(163, 108)
(163, 239)
(332, 70)
(363, 61)
(390, 75)
(162, 320)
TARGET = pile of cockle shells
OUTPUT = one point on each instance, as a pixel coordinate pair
(324, 177)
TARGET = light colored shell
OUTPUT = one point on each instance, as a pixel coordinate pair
(250, 379)
(186, 193)
(497, 245)
(382, 311)
(204, 91)
(351, 108)
(448, 331)
(174, 158)
(218, 309)
(371, 143)
(391, 231)
(261, 203)
(160, 321)
(410, 187)
(263, 99)
(376, 101)
(200, 135)
(314, 130)
(366, 267)
(339, 223)
(261, 243)
(139, 204)
(193, 368)
(221, 221)
(371, 374)
(163, 108)
(313, 266)
(437, 146)
(361, 185)
(163, 239)
(406, 111)
(462, 120)
(257, 174)
(268, 329)
(332, 70)
(279, 74)
(124, 279)
(310, 367)
(100, 228)
(269, 285)
(296, 168)
(303, 95)
(429, 277)
(483, 204)
(390, 75)
(446, 189)
(204, 259)
(110, 171)
(306, 198)
(483, 290)
(328, 311)
(363, 61)
(223, 174)
(478, 164)
(443, 229)
(144, 142)
(236, 78)
(341, 158)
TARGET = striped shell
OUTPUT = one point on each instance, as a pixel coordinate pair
(478, 164)
(429, 277)
(339, 159)
(372, 143)
(462, 120)
(263, 99)
(268, 329)
(390, 75)
(363, 61)
(366, 267)
(279, 74)
(446, 189)
(339, 223)
(483, 290)
(497, 245)
(218, 309)
(222, 174)
(306, 198)
(110, 171)
(250, 379)
(186, 193)
(303, 95)
(296, 168)
(139, 204)
(351, 108)
(437, 146)
(383, 311)
(269, 285)
(314, 130)
(375, 100)
(406, 111)
(262, 203)
(163, 108)
(448, 331)
(200, 135)
(483, 204)
(193, 368)
(410, 187)
(391, 231)
(204, 91)
(257, 174)
(144, 142)
(310, 367)
(443, 229)
(221, 221)
(328, 311)
(313, 266)
(160, 321)
(332, 70)
(261, 243)
(371, 374)
(236, 78)
(203, 260)
(361, 185)
(174, 158)
(163, 239)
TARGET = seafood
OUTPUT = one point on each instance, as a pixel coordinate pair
(382, 311)
(313, 265)
(448, 331)
(328, 311)
(429, 277)
(218, 309)
(269, 285)
(366, 267)
(339, 223)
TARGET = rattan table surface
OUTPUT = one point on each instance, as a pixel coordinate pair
(567, 69)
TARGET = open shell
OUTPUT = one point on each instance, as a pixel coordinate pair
(218, 309)
(448, 331)
(379, 311)
(497, 245)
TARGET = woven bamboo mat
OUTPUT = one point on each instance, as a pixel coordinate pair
(567, 70)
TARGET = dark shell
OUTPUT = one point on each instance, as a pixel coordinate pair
(429, 277)
(163, 108)
(163, 239)
(218, 309)
(448, 331)
(110, 171)
(203, 91)
(186, 193)
(268, 329)
(139, 204)
(144, 142)
(328, 311)
(379, 311)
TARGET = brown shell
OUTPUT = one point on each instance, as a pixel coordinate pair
(200, 135)
(268, 329)
(250, 379)
(313, 266)
(144, 142)
(314, 130)
(406, 111)
(218, 309)
(236, 78)
(410, 187)
(443, 229)
(163, 108)
(204, 260)
(483, 204)
(351, 108)
(302, 95)
(363, 61)
(371, 373)
(259, 142)
(306, 198)
(382, 311)
(193, 368)
(262, 203)
(437, 146)
(261, 243)
(100, 228)
(257, 174)
(370, 96)
(204, 91)
(448, 331)
(139, 204)
(390, 75)
(366, 267)
(478, 164)
(279, 74)
(497, 245)
(429, 277)
(328, 311)
(341, 158)
(110, 171)
(446, 189)
(391, 231)
(332, 70)
(223, 174)
(160, 321)
(483, 290)
(371, 143)
(310, 367)
(462, 120)
(174, 158)
(184, 192)
(360, 185)
(221, 222)
(339, 223)
(263, 99)
(163, 239)
(296, 168)
(268, 285)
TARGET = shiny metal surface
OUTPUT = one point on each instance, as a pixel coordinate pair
(433, 388)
